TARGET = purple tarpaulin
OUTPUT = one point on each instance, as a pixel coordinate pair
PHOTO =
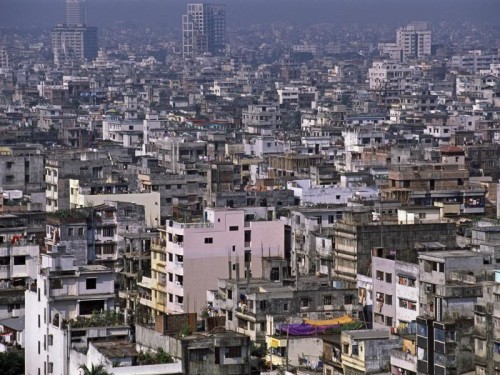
(304, 329)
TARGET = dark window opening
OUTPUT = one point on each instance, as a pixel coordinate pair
(91, 283)
(87, 307)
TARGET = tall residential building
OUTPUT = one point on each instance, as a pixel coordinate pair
(203, 29)
(4, 57)
(414, 40)
(74, 43)
(62, 303)
(75, 12)
(190, 257)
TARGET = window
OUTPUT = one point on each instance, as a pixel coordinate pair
(14, 306)
(388, 321)
(421, 330)
(285, 307)
(233, 228)
(199, 355)
(380, 275)
(304, 302)
(403, 280)
(108, 249)
(19, 260)
(91, 283)
(248, 236)
(451, 336)
(70, 232)
(209, 240)
(275, 274)
(388, 299)
(388, 278)
(421, 354)
(327, 300)
(233, 352)
(229, 315)
(263, 305)
(107, 232)
(88, 307)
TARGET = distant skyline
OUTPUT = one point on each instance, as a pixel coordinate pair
(168, 13)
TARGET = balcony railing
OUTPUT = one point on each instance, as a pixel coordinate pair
(404, 356)
(175, 224)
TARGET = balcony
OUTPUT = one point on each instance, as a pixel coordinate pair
(146, 302)
(159, 244)
(176, 288)
(445, 361)
(403, 360)
(174, 224)
(176, 247)
(480, 330)
(51, 194)
(243, 312)
(481, 361)
(146, 282)
(63, 291)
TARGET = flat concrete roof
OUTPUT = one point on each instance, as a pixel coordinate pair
(366, 334)
(450, 254)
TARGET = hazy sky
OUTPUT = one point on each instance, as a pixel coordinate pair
(168, 12)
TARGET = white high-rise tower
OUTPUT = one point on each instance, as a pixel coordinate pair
(414, 40)
(204, 29)
(75, 12)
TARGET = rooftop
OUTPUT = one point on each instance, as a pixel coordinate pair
(450, 254)
(367, 334)
(116, 348)
(17, 324)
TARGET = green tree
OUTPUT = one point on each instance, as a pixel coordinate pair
(12, 363)
(94, 370)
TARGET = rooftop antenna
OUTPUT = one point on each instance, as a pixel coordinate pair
(230, 266)
(262, 258)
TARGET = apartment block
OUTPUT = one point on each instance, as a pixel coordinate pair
(59, 304)
(450, 285)
(395, 290)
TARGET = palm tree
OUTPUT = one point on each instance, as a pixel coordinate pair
(94, 370)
